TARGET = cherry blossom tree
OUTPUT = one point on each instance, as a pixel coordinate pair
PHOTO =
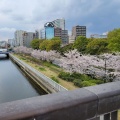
(49, 56)
(23, 50)
(102, 66)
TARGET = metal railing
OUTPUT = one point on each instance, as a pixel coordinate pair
(42, 77)
(87, 103)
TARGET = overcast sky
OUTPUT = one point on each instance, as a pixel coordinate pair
(98, 15)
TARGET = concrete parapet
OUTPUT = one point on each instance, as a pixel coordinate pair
(81, 104)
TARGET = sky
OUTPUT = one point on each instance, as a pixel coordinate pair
(99, 16)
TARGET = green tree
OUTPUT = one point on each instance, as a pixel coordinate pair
(53, 44)
(66, 48)
(97, 46)
(114, 40)
(35, 43)
(44, 44)
(80, 43)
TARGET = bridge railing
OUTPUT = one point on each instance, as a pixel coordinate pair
(87, 103)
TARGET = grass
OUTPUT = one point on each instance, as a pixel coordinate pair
(47, 69)
(118, 114)
(41, 68)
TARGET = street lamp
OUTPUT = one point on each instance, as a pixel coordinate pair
(105, 70)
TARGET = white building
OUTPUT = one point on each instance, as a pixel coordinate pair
(19, 37)
(60, 23)
(98, 36)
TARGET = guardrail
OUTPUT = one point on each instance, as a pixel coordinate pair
(46, 81)
(82, 104)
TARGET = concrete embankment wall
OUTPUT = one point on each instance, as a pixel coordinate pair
(44, 82)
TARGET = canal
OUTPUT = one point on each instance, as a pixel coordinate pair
(13, 84)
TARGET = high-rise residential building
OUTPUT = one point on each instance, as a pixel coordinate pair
(19, 37)
(57, 32)
(49, 30)
(27, 38)
(79, 31)
(60, 23)
(64, 36)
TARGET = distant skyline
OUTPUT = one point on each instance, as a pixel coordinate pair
(99, 16)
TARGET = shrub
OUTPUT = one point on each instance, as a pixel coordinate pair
(47, 64)
(66, 76)
(81, 83)
(97, 81)
(85, 77)
(55, 79)
(87, 83)
(76, 75)
(80, 80)
(77, 82)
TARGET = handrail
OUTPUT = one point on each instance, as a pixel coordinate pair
(81, 104)
(44, 78)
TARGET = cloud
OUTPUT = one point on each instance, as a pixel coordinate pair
(6, 33)
(7, 29)
(98, 15)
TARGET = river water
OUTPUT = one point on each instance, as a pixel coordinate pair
(13, 84)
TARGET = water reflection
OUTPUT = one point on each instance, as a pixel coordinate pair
(13, 85)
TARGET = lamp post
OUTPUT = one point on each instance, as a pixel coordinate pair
(105, 67)
(105, 70)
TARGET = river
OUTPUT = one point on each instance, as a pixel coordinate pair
(13, 84)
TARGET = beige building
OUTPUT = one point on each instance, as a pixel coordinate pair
(79, 31)
(71, 39)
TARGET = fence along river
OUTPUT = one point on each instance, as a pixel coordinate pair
(13, 84)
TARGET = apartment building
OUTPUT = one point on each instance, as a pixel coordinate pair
(57, 32)
(64, 37)
(27, 38)
(18, 36)
(79, 31)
